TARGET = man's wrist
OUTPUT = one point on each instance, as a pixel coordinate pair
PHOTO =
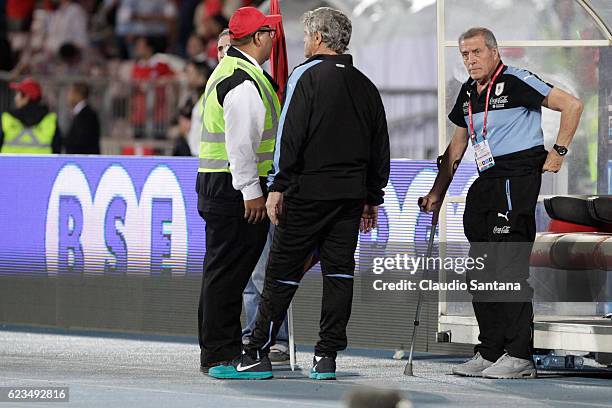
(251, 192)
(274, 188)
(561, 150)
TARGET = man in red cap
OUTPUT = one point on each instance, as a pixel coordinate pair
(30, 128)
(240, 117)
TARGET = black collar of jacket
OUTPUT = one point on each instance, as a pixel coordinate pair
(30, 114)
(233, 52)
(339, 58)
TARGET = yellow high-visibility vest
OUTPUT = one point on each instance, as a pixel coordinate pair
(21, 139)
(213, 154)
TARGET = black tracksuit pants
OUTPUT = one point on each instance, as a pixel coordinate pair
(332, 227)
(233, 247)
(499, 220)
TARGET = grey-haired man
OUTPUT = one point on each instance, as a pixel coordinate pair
(499, 111)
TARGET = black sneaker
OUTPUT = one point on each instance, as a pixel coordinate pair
(245, 368)
(279, 355)
(323, 368)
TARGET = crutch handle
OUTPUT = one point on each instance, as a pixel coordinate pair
(435, 211)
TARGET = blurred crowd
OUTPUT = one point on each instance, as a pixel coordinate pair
(164, 49)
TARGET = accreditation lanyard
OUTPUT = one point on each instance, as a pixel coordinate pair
(486, 111)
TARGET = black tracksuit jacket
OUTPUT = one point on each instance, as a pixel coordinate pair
(333, 142)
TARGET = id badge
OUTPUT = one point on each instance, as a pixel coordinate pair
(484, 157)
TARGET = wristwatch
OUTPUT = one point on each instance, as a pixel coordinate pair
(561, 150)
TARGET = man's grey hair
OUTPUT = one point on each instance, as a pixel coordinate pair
(223, 33)
(333, 25)
(489, 37)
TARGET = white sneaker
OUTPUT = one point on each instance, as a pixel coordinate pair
(473, 367)
(508, 367)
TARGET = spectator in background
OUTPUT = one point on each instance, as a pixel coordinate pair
(151, 18)
(69, 60)
(83, 135)
(196, 47)
(196, 73)
(186, 10)
(102, 28)
(144, 70)
(19, 14)
(6, 53)
(30, 128)
(72, 60)
(181, 147)
(70, 56)
(195, 133)
(67, 24)
(216, 25)
(209, 22)
(144, 66)
(202, 16)
(54, 23)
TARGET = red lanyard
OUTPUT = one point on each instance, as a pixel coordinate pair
(486, 111)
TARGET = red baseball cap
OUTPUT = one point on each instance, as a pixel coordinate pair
(29, 87)
(247, 20)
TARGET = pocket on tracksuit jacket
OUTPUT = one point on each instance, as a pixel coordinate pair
(503, 220)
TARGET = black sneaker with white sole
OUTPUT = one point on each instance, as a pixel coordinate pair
(246, 367)
(323, 368)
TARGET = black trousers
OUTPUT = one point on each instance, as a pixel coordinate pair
(499, 221)
(332, 227)
(233, 247)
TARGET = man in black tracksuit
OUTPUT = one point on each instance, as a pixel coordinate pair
(331, 165)
(499, 111)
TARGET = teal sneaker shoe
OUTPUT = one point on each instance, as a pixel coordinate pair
(323, 368)
(245, 368)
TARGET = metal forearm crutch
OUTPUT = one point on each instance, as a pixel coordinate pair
(446, 170)
(432, 235)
